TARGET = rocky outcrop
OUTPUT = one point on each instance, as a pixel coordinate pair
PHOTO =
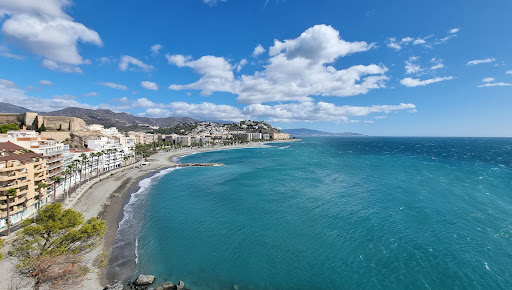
(116, 285)
(166, 286)
(144, 280)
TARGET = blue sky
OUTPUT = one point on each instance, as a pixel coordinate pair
(400, 68)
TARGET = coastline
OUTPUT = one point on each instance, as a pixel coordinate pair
(107, 198)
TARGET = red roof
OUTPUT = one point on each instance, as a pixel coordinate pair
(8, 146)
(24, 158)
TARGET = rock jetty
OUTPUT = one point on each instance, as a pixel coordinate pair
(144, 282)
(198, 164)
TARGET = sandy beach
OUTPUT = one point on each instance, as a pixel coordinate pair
(106, 199)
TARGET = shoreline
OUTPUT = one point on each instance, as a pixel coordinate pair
(106, 199)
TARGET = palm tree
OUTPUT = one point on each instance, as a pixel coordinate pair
(98, 155)
(41, 185)
(56, 180)
(10, 192)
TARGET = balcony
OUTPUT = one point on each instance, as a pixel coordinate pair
(15, 184)
(54, 165)
(13, 175)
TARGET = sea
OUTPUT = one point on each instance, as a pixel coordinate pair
(329, 213)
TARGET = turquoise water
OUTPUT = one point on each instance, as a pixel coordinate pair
(331, 213)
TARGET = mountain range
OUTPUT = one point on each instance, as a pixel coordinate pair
(303, 132)
(106, 118)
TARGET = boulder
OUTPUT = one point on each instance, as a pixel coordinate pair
(166, 286)
(180, 285)
(115, 285)
(144, 280)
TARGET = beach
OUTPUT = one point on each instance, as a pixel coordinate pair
(106, 198)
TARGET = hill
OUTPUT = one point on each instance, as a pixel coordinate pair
(303, 132)
(12, 109)
(109, 118)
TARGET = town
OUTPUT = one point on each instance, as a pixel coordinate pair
(44, 159)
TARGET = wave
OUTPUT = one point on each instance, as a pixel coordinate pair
(124, 252)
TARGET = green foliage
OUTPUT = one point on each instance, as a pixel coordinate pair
(8, 127)
(55, 234)
(60, 127)
(42, 128)
(178, 129)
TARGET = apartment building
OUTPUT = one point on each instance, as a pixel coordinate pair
(23, 171)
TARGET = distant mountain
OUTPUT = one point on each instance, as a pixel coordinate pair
(303, 132)
(108, 118)
(12, 109)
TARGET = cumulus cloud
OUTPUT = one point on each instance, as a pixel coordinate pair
(155, 49)
(488, 80)
(53, 65)
(131, 63)
(500, 84)
(410, 82)
(411, 67)
(10, 93)
(45, 29)
(509, 72)
(479, 61)
(156, 113)
(297, 69)
(258, 50)
(207, 111)
(149, 85)
(8, 84)
(114, 86)
(321, 111)
(45, 83)
(437, 63)
(454, 30)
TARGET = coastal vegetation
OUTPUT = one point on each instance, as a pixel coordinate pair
(50, 248)
(8, 127)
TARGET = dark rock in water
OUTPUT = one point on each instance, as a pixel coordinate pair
(166, 286)
(116, 285)
(180, 285)
(144, 280)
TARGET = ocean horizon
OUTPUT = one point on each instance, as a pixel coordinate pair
(328, 212)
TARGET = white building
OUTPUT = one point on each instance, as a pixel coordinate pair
(113, 153)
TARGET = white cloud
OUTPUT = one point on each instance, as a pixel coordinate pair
(53, 65)
(241, 64)
(137, 65)
(258, 50)
(10, 93)
(509, 72)
(297, 69)
(381, 117)
(64, 97)
(90, 94)
(156, 113)
(410, 82)
(149, 85)
(419, 41)
(4, 51)
(45, 83)
(488, 80)
(438, 64)
(143, 103)
(500, 84)
(206, 111)
(479, 61)
(411, 67)
(392, 43)
(321, 111)
(45, 29)
(155, 49)
(103, 60)
(454, 30)
(213, 2)
(114, 86)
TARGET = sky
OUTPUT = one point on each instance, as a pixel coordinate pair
(384, 68)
